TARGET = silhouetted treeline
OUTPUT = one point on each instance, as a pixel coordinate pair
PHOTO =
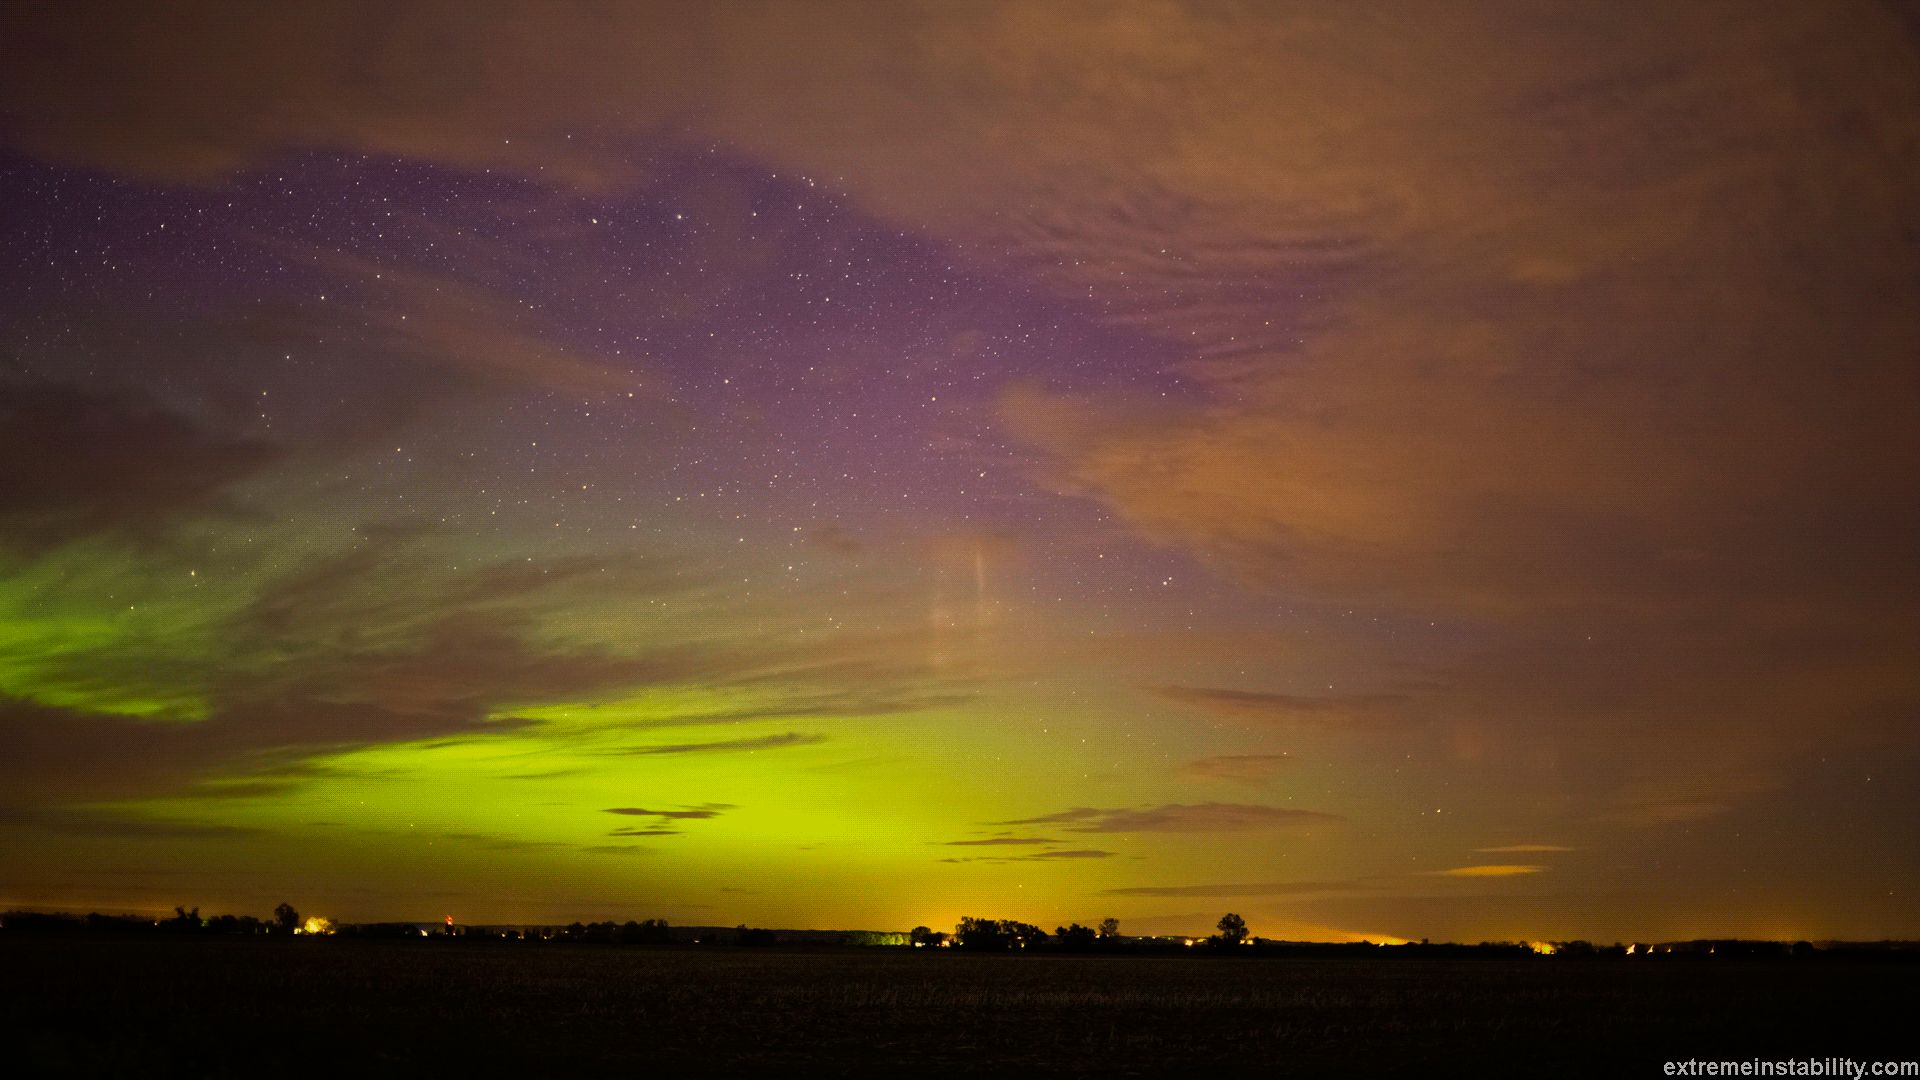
(1234, 938)
(971, 935)
(287, 922)
(184, 921)
(650, 932)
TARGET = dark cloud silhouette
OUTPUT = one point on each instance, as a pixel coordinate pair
(1038, 856)
(55, 755)
(494, 842)
(749, 743)
(1179, 817)
(1360, 712)
(685, 813)
(76, 462)
(155, 830)
(853, 701)
(100, 824)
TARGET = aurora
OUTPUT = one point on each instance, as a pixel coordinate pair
(778, 465)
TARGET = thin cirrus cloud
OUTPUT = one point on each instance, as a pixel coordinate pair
(1252, 770)
(77, 462)
(1349, 712)
(1267, 888)
(1178, 817)
(723, 746)
(97, 824)
(1040, 856)
(495, 842)
(1524, 849)
(476, 334)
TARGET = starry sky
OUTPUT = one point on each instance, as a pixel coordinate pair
(1392, 471)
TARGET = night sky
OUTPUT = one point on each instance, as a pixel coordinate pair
(1392, 471)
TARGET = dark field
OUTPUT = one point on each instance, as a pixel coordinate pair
(162, 1007)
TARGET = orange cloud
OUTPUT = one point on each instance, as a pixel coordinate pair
(1489, 870)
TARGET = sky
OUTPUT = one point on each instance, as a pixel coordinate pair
(1391, 471)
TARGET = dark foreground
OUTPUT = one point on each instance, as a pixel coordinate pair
(255, 1007)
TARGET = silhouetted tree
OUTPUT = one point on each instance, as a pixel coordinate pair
(979, 934)
(920, 935)
(286, 917)
(1233, 930)
(1109, 927)
(995, 934)
(1075, 937)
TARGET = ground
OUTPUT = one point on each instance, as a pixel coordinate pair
(197, 1007)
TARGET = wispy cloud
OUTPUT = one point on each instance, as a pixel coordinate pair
(1178, 817)
(1268, 888)
(1354, 711)
(99, 824)
(1488, 870)
(1041, 856)
(494, 842)
(126, 465)
(1252, 770)
(722, 746)
(685, 813)
(548, 774)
